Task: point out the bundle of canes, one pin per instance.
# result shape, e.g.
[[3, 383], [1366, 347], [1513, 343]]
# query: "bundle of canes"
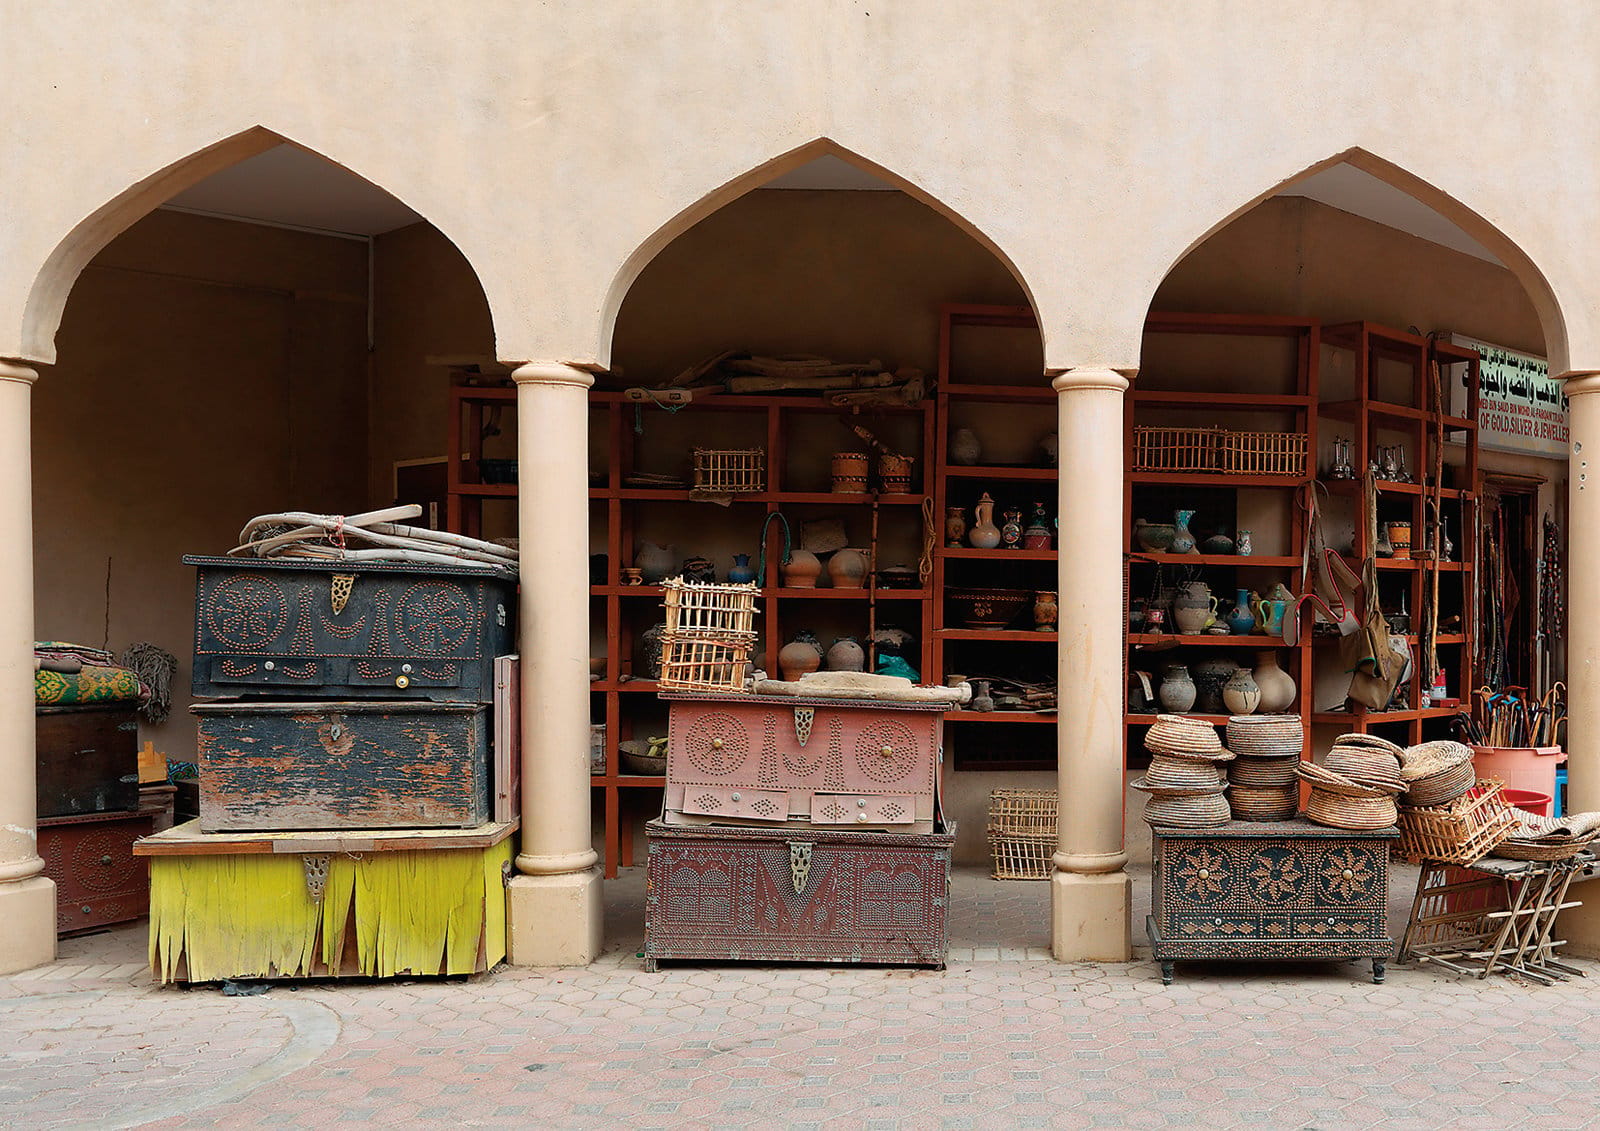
[[301, 534]]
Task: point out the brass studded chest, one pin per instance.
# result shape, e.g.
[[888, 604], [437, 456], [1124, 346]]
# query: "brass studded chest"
[[779, 760], [1274, 890]]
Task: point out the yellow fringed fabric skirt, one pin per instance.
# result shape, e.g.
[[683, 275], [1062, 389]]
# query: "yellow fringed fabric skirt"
[[441, 911]]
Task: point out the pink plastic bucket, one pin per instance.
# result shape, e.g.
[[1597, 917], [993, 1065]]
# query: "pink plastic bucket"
[[1520, 767]]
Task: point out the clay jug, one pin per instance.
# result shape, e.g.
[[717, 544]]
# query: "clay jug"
[[845, 656], [655, 561], [847, 569], [965, 447], [1241, 621], [1209, 678], [955, 526], [1037, 535], [801, 570], [1240, 694], [1277, 686], [1194, 608], [984, 535], [1176, 692], [801, 656], [1182, 536]]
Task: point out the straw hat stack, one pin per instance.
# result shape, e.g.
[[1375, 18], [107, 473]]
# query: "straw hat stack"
[[1436, 773], [1356, 785], [1185, 780], [1262, 784]]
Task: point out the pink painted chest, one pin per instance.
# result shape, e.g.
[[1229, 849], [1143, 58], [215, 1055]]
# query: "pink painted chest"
[[774, 760]]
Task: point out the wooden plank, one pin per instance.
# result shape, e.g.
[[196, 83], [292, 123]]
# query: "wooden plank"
[[187, 840]]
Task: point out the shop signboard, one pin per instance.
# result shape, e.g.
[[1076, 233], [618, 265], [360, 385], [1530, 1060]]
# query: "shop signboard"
[[1521, 408]]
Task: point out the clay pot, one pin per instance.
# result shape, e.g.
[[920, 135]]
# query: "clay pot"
[[1045, 610], [1277, 686], [955, 526], [1050, 449], [965, 447], [1182, 537], [849, 473], [1176, 693], [656, 562], [1154, 537], [847, 569], [1209, 678], [801, 656], [845, 656], [894, 472], [1194, 608], [1240, 694], [650, 650], [801, 570]]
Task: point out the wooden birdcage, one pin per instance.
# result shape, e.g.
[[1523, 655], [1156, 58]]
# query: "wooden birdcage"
[[1264, 453], [729, 471], [1022, 833], [1176, 449], [708, 637]]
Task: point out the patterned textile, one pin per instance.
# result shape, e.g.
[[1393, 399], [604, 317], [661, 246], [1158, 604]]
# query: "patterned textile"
[[94, 684]]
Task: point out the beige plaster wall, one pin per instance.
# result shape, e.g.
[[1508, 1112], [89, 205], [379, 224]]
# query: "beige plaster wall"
[[1092, 145], [208, 371]]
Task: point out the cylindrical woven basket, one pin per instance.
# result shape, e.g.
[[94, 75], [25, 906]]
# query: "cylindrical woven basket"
[[1373, 768], [1370, 742], [1442, 787], [1355, 813], [1271, 804], [1183, 773], [1184, 808], [1265, 734], [1181, 737], [1264, 773]]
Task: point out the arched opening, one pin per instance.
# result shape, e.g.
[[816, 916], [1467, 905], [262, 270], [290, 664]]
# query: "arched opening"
[[255, 341], [1320, 311], [829, 256]]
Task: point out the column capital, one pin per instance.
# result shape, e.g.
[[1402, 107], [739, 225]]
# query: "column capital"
[[1093, 377], [17, 371], [551, 373], [1576, 382]]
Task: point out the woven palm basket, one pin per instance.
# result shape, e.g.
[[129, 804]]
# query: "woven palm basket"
[[1340, 803], [1184, 808], [1370, 742], [1373, 768], [1441, 786], [1183, 737], [1266, 735], [1264, 773], [1249, 803], [1166, 772]]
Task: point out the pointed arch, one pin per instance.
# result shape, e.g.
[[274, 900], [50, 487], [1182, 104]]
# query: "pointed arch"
[[753, 179], [1539, 290], [53, 283]]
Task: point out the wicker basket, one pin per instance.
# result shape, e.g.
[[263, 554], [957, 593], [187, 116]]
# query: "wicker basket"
[[1340, 803], [1264, 453], [710, 631], [1465, 830], [1264, 773], [1169, 772], [1550, 848], [1022, 833], [1176, 449], [729, 471], [1441, 787], [1276, 803]]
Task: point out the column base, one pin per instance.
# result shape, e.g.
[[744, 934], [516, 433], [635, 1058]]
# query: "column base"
[[1089, 917], [27, 924], [554, 920]]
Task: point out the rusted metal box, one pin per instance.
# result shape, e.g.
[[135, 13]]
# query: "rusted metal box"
[[87, 759], [824, 763], [342, 765], [797, 895], [1270, 890], [98, 879], [339, 630]]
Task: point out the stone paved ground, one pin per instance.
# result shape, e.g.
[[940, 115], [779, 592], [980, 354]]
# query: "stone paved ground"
[[997, 1040]]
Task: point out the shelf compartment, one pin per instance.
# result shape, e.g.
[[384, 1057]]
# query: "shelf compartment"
[[1373, 718], [978, 472], [1139, 719], [1265, 403], [1217, 479], [970, 553], [1279, 561], [1001, 717], [1139, 639], [999, 393], [1001, 634]]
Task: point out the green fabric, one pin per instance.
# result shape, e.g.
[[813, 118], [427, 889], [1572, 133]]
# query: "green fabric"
[[91, 685]]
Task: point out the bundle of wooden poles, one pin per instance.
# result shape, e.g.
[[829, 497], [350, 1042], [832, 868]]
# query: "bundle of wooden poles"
[[376, 536]]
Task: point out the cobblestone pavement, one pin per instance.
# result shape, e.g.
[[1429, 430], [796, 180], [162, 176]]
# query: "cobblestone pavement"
[[997, 1040]]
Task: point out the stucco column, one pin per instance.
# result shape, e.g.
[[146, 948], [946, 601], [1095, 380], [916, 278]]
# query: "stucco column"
[[555, 906], [1090, 891], [27, 898]]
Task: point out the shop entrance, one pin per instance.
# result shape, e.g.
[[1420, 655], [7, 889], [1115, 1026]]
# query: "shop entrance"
[[1514, 654]]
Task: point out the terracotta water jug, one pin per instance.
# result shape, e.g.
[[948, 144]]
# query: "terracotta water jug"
[[1240, 694], [801, 570], [1277, 686], [845, 656], [1177, 691], [801, 656], [984, 535], [1194, 608], [847, 569]]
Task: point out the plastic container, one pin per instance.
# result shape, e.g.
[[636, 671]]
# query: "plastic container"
[[1520, 767], [1529, 800]]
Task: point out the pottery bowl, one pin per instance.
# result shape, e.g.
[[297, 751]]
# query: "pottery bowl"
[[635, 757], [988, 608], [1155, 537]]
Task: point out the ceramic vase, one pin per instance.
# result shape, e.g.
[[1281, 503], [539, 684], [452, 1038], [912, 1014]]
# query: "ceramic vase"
[[965, 447], [801, 570], [1045, 610], [1194, 609], [801, 656], [981, 699], [1177, 691], [1277, 686], [1209, 678], [655, 562], [955, 526], [741, 573], [1218, 543], [1240, 620], [1182, 539], [1011, 532], [1240, 694], [849, 471], [1037, 534], [984, 534], [845, 656], [1242, 545], [847, 569], [1154, 537], [1050, 449], [1269, 616]]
